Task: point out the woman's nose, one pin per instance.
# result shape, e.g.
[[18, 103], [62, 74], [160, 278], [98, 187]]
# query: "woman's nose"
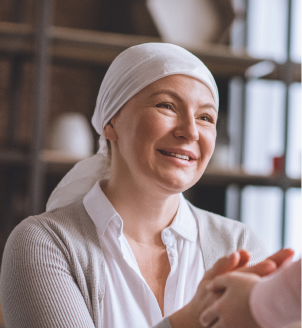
[[187, 129]]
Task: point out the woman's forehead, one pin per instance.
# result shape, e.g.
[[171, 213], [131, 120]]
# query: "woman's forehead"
[[174, 84]]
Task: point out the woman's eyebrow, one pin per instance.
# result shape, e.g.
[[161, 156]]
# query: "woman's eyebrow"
[[168, 92], [210, 106], [175, 95]]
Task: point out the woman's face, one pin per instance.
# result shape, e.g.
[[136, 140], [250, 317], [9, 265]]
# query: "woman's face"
[[164, 136]]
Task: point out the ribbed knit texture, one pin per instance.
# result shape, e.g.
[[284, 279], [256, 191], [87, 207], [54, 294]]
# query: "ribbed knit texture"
[[53, 269]]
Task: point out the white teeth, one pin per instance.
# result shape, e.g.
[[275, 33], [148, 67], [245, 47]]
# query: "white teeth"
[[187, 158]]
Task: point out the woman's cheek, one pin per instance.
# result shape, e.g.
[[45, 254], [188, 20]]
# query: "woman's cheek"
[[153, 127], [207, 142]]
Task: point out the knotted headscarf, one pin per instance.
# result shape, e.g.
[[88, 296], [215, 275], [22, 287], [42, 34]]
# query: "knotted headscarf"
[[130, 72]]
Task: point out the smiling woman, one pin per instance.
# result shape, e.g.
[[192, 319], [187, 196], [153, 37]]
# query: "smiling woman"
[[119, 246]]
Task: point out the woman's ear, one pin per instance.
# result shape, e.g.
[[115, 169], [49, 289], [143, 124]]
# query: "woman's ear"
[[109, 132]]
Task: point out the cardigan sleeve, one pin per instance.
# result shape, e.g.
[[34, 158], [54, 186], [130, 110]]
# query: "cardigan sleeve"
[[252, 243], [275, 300], [37, 288], [163, 324]]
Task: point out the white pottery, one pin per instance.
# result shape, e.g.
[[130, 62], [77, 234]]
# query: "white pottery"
[[71, 134]]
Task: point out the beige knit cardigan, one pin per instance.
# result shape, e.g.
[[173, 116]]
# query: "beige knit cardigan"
[[53, 269]]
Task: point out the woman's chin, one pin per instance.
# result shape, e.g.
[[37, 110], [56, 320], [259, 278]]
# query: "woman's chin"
[[176, 185]]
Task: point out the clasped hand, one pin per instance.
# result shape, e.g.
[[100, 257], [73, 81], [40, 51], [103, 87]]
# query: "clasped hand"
[[211, 294]]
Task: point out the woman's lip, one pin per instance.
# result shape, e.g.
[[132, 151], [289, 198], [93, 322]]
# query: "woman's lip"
[[180, 151]]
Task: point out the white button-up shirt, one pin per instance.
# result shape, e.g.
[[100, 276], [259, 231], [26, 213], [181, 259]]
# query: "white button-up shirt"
[[128, 300]]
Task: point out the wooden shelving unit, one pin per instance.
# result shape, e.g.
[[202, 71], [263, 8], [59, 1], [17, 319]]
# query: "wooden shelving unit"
[[86, 47]]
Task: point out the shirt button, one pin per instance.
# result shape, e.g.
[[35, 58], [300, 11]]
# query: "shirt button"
[[170, 296], [173, 252], [169, 242], [167, 233]]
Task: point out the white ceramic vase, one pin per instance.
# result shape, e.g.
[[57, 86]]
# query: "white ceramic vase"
[[71, 135]]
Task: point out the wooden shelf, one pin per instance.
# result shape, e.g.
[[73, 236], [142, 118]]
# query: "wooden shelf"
[[58, 164], [87, 47], [279, 72], [237, 176], [12, 158]]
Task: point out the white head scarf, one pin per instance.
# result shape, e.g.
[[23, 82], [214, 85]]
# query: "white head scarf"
[[130, 72]]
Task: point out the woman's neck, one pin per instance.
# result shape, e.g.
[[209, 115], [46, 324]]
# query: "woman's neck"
[[145, 213]]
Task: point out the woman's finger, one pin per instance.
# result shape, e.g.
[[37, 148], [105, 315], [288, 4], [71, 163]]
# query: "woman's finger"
[[209, 317], [218, 284], [217, 324], [282, 256], [261, 269], [244, 258], [223, 265]]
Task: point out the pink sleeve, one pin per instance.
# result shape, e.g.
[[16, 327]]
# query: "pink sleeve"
[[276, 300]]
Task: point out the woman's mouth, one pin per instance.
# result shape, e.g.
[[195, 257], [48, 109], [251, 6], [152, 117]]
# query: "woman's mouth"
[[167, 153]]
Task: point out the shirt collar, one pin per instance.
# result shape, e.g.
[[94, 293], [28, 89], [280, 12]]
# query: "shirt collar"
[[184, 222], [100, 209], [102, 212]]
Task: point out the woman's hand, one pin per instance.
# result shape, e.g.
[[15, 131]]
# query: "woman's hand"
[[188, 316], [232, 309]]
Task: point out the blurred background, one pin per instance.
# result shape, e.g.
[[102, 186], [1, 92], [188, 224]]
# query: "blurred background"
[[54, 54]]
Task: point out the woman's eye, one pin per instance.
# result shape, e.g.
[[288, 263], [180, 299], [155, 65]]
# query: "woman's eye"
[[165, 105], [206, 118]]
